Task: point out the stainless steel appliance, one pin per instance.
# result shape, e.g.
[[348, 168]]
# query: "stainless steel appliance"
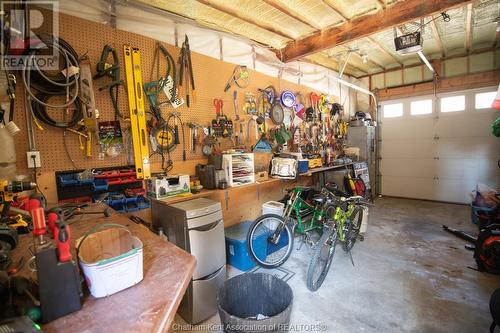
[[197, 227], [363, 137]]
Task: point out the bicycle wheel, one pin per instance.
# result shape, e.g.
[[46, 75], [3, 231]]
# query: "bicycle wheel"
[[353, 224], [322, 259], [269, 241]]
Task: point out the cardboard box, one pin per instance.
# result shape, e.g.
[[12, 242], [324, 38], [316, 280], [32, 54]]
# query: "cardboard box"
[[164, 187], [261, 176]]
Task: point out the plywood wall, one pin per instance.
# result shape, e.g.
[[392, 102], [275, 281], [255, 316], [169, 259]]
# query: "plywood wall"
[[88, 38]]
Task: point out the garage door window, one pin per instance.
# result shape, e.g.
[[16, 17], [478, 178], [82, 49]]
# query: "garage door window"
[[423, 106], [453, 104], [393, 110], [485, 100]]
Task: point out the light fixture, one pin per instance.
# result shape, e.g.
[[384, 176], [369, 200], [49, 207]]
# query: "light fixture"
[[426, 62], [365, 58]]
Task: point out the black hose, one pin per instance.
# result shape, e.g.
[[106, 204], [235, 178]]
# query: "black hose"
[[40, 112]]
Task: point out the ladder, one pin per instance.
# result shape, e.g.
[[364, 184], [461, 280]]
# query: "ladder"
[[133, 74]]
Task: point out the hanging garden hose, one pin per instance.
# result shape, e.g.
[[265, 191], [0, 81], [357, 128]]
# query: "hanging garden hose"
[[49, 85]]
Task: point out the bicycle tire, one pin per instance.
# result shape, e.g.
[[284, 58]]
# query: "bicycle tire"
[[353, 227], [328, 242], [260, 248]]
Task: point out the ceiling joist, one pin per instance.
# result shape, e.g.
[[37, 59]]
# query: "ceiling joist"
[[397, 14], [437, 38], [245, 18], [468, 28], [289, 13], [384, 51], [335, 10]]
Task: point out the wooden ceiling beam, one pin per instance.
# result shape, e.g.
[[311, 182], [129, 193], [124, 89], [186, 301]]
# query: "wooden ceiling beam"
[[468, 28], [245, 18], [437, 37], [397, 14], [288, 12], [335, 10], [384, 51]]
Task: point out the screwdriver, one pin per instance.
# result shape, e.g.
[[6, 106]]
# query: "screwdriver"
[[38, 217], [62, 237]]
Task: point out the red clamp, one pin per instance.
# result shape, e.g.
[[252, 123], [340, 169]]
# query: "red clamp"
[[38, 218], [52, 221], [62, 235]]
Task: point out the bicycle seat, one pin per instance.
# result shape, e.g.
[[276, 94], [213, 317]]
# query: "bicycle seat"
[[319, 198]]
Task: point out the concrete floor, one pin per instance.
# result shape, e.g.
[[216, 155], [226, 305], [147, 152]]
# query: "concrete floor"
[[409, 276]]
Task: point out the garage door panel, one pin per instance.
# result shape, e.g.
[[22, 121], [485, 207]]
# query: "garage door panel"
[[452, 190], [471, 147], [488, 172], [407, 129], [466, 124], [424, 148], [450, 168], [404, 167], [408, 187]]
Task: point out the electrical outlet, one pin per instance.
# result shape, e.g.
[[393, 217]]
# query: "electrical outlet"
[[34, 160]]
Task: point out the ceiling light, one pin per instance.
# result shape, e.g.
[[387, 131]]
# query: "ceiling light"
[[365, 58], [426, 62]]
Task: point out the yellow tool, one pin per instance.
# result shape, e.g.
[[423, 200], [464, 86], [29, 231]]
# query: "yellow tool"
[[89, 110], [132, 58]]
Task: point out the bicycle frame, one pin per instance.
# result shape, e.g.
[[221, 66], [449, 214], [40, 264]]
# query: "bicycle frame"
[[298, 205], [340, 217]]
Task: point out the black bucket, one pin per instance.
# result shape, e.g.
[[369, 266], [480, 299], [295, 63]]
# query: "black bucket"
[[244, 297]]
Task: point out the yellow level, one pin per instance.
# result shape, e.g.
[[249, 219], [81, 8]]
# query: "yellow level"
[[132, 57]]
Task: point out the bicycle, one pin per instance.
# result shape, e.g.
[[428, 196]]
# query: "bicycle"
[[344, 217], [270, 237]]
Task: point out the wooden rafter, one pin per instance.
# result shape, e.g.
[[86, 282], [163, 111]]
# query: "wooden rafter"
[[288, 12], [382, 50], [245, 18], [382, 3], [437, 37], [397, 14], [468, 28], [335, 10]]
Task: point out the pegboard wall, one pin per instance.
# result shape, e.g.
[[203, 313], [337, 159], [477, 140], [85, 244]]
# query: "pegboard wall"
[[89, 38]]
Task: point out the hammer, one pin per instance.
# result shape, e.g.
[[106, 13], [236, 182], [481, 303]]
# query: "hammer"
[[106, 212]]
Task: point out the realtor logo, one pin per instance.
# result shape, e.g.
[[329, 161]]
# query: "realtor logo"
[[26, 26]]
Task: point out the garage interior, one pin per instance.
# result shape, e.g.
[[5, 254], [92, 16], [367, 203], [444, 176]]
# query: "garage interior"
[[250, 166]]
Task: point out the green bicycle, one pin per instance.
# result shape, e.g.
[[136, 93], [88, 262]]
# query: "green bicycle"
[[270, 237], [343, 221]]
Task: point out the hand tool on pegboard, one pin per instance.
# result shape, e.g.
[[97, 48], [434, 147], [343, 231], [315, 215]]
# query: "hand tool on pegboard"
[[112, 70], [90, 113], [167, 82], [193, 135], [235, 104], [186, 76], [133, 73]]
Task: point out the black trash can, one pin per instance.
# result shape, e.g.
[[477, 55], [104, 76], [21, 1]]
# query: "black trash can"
[[255, 303]]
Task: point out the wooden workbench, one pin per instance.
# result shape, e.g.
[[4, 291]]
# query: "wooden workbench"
[[149, 306]]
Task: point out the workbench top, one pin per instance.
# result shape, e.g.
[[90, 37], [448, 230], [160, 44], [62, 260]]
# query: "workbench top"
[[149, 306]]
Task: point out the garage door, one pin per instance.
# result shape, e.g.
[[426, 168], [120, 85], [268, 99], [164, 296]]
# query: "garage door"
[[439, 149]]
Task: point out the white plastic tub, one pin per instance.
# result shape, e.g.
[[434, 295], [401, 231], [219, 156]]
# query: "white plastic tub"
[[273, 207], [111, 260]]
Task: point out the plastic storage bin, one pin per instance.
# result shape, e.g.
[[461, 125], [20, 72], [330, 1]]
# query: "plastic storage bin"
[[111, 259], [273, 207], [236, 246]]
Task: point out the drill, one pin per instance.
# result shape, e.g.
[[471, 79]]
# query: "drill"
[[9, 191]]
